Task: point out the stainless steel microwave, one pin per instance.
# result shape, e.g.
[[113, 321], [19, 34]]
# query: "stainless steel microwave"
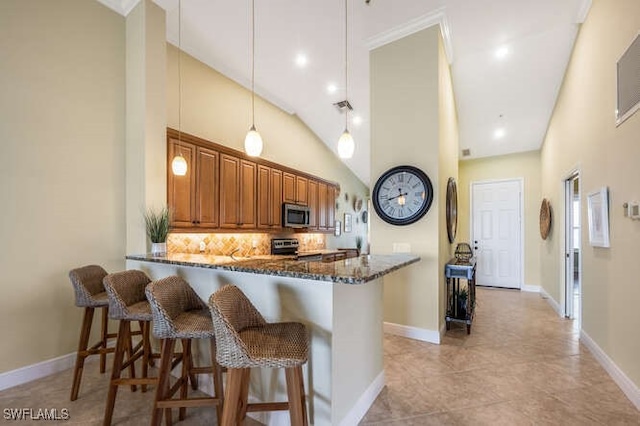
[[295, 216]]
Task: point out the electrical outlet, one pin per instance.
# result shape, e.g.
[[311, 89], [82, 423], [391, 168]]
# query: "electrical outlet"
[[254, 243], [203, 246]]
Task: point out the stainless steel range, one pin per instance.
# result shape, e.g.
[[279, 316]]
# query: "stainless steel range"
[[284, 246]]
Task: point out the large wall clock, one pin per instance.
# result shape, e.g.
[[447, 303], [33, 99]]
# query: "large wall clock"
[[402, 195]]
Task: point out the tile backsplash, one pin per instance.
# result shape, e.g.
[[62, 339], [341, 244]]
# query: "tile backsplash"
[[245, 244]]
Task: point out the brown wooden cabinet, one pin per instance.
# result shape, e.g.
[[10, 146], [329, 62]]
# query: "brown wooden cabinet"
[[237, 192], [313, 204], [331, 207], [225, 190], [269, 197], [295, 189], [322, 206], [193, 198]]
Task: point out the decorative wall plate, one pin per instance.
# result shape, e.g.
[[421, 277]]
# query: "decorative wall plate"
[[545, 218]]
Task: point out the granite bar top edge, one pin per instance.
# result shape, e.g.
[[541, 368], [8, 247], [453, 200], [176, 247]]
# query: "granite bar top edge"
[[358, 270]]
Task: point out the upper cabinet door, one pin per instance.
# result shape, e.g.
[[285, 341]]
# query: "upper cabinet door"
[[276, 198], [322, 206], [313, 204], [302, 190], [331, 207], [229, 191], [181, 189], [207, 189], [289, 190], [264, 197], [247, 208]]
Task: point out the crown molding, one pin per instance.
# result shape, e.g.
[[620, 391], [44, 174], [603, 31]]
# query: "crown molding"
[[583, 11], [123, 7], [437, 17]]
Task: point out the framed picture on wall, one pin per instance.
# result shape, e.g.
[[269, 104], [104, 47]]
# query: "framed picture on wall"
[[347, 222], [338, 228], [598, 215]]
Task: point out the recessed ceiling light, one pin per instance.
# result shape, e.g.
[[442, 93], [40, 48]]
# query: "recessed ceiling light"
[[301, 60], [502, 52], [499, 133], [332, 88], [356, 120]]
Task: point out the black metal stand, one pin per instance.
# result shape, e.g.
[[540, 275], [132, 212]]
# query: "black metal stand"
[[460, 308]]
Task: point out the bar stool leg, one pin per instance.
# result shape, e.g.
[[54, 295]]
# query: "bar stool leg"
[[104, 336], [146, 350], [217, 380], [128, 343], [123, 341], [85, 331], [232, 401], [184, 378], [295, 393], [164, 380], [244, 395]]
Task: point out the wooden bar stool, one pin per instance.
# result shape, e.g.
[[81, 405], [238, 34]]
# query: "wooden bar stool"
[[128, 303], [178, 313], [245, 340], [90, 295]]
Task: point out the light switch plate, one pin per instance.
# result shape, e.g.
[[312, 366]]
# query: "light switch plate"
[[401, 247]]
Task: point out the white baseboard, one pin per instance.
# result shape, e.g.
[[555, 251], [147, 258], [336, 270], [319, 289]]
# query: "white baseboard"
[[431, 336], [626, 385], [36, 371], [550, 300], [530, 288], [365, 402]]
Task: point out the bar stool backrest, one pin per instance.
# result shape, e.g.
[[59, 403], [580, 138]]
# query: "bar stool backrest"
[[125, 288], [232, 312], [169, 297], [87, 282]]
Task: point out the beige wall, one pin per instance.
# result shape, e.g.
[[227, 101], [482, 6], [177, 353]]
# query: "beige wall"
[[146, 147], [405, 130], [582, 133], [448, 163], [218, 109], [526, 166], [62, 113]]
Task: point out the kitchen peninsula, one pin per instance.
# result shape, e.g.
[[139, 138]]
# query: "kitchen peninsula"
[[340, 302]]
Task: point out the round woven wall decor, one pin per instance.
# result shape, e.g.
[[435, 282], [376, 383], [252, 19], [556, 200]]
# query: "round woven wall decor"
[[545, 218]]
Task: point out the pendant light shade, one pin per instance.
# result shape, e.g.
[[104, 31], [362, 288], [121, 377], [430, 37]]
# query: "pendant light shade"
[[179, 165], [346, 145], [253, 140]]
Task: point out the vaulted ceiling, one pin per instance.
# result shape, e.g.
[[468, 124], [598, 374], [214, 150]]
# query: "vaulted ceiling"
[[508, 59]]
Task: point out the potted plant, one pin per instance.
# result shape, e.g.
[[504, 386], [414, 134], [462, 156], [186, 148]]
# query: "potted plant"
[[157, 227], [462, 298]]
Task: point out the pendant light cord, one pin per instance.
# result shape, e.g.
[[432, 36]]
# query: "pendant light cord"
[[253, 62], [179, 76], [346, 66]]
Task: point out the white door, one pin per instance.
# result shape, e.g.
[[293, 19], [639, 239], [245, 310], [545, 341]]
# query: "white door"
[[497, 232]]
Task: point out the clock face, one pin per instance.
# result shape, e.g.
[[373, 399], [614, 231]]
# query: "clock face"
[[402, 195]]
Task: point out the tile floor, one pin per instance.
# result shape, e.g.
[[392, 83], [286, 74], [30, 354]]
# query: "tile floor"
[[521, 365]]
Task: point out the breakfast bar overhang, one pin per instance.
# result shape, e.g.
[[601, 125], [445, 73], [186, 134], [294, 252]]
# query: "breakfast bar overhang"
[[341, 304]]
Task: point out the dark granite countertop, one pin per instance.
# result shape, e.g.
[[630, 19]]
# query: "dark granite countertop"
[[357, 270]]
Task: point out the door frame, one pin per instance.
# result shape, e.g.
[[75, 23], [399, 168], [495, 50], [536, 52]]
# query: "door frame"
[[520, 181], [566, 239]]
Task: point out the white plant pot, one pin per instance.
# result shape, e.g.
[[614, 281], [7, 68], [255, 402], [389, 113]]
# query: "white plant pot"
[[158, 249]]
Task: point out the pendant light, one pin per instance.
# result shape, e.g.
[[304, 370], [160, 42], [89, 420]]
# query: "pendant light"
[[179, 164], [253, 140], [346, 145]]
